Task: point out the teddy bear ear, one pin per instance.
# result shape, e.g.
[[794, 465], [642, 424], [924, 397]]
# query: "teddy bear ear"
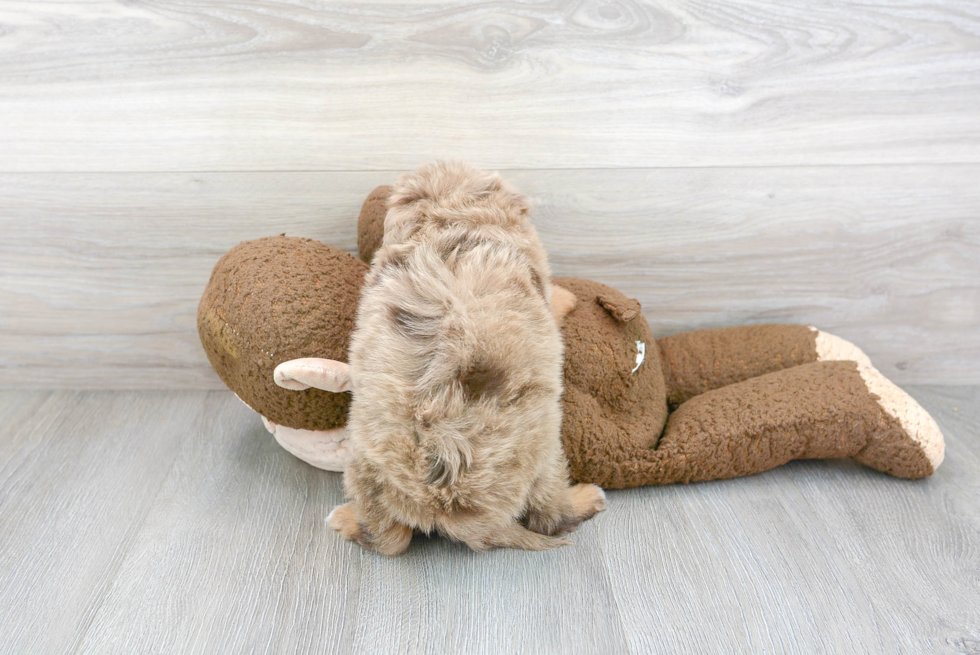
[[371, 223], [623, 309]]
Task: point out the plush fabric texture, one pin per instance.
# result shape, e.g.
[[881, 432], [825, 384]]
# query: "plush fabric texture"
[[606, 408], [274, 300], [697, 406], [702, 360], [371, 222], [813, 411], [748, 399]]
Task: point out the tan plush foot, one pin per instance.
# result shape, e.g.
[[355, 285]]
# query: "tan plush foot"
[[831, 348], [563, 301], [916, 421]]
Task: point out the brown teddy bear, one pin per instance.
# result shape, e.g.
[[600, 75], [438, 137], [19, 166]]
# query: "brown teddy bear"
[[277, 315]]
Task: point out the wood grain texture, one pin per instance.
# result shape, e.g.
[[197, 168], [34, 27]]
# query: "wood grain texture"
[[810, 557], [77, 475], [725, 162], [100, 274], [119, 264], [203, 535], [238, 542], [302, 85], [235, 555]]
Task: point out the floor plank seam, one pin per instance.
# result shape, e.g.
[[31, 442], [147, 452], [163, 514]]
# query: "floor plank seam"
[[126, 546], [609, 580]]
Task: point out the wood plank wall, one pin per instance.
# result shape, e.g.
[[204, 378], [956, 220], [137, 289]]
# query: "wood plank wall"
[[724, 162]]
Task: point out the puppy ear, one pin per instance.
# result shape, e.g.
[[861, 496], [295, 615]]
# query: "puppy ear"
[[325, 374], [623, 309]]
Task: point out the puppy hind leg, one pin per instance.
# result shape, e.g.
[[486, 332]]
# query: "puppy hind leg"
[[555, 508], [587, 500], [386, 537], [515, 535]]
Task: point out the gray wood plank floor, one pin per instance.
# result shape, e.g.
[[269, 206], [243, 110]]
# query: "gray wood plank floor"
[[170, 522]]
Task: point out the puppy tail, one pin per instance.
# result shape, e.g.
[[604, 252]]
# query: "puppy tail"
[[516, 535]]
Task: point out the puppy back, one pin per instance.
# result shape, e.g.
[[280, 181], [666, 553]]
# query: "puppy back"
[[459, 358]]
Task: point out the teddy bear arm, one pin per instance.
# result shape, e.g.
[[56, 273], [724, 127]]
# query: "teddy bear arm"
[[703, 360], [306, 372], [813, 411], [324, 449]]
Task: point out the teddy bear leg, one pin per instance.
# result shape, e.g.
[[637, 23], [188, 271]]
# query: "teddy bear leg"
[[812, 411], [702, 360], [898, 456]]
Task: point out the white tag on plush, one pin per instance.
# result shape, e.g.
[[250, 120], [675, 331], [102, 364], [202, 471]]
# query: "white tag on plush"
[[641, 353]]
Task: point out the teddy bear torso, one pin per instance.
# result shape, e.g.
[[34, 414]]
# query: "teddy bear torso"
[[615, 395]]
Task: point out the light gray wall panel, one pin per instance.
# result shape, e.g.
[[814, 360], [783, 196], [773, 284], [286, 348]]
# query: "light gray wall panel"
[[294, 85], [100, 274]]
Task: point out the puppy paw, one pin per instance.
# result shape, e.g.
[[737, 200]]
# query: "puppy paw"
[[587, 500], [516, 535], [394, 541], [584, 502], [391, 540], [550, 524], [344, 520]]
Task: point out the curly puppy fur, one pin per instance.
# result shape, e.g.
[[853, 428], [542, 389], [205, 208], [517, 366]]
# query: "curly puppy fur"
[[456, 369]]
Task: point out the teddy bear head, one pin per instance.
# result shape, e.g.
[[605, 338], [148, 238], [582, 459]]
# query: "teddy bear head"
[[275, 300]]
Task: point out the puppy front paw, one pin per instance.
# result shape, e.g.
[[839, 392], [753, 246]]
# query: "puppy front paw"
[[549, 523]]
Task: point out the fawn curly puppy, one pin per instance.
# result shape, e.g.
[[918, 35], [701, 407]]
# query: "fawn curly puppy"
[[456, 370]]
